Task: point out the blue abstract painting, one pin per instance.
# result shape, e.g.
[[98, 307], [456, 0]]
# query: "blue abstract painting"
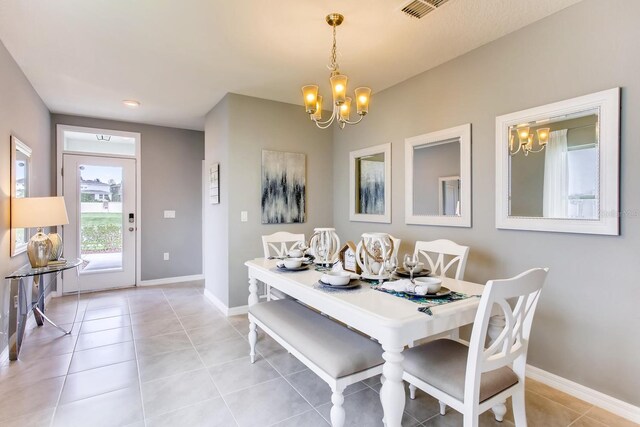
[[283, 187], [371, 187]]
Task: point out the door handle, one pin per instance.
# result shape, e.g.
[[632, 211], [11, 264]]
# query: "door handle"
[[131, 228]]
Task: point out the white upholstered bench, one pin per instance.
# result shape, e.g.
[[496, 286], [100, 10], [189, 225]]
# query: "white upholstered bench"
[[335, 353]]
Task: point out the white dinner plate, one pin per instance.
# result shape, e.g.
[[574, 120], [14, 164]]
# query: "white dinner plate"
[[352, 284], [302, 267], [443, 292]]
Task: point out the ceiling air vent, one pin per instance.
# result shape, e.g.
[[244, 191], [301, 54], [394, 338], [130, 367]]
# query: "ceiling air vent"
[[420, 8]]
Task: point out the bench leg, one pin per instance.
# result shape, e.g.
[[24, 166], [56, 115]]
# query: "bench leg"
[[337, 410], [253, 338]]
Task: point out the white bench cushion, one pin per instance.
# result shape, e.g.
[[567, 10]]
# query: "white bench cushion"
[[334, 348], [443, 363]]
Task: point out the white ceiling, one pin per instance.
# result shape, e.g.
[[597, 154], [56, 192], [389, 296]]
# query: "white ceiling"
[[179, 58]]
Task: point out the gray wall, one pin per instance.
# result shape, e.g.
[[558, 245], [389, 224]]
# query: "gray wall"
[[429, 164], [586, 328], [23, 114], [216, 217], [171, 176], [255, 124]]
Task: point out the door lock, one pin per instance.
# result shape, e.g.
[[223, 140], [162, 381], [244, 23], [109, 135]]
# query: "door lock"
[[131, 228], [131, 218]]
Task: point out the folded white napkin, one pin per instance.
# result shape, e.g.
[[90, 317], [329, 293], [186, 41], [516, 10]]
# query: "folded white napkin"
[[404, 285]]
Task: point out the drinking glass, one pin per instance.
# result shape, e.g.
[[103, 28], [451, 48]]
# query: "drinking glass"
[[390, 265], [304, 247], [410, 263]]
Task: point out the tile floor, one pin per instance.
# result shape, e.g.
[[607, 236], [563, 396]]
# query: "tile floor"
[[164, 356]]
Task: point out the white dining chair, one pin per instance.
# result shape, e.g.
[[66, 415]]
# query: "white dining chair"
[[278, 245], [441, 250], [472, 379]]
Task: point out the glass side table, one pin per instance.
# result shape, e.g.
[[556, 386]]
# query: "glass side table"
[[22, 300]]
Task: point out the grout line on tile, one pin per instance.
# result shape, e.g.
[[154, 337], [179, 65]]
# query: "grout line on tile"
[[135, 353], [558, 403], [305, 399], [203, 364]]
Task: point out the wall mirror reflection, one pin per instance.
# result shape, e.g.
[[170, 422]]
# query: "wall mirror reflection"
[[370, 184], [438, 178], [558, 177], [20, 184], [558, 167]]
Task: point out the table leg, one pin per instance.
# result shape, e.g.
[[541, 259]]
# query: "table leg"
[[38, 293], [253, 333], [392, 394], [17, 317]]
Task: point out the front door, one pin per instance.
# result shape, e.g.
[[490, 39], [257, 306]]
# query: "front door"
[[100, 194]]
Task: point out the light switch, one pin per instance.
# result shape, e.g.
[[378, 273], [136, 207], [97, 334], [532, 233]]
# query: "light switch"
[[169, 214], [166, 256], [244, 216]]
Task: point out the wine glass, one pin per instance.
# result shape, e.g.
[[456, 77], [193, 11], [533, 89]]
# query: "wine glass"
[[390, 265], [321, 252], [410, 263], [304, 247]]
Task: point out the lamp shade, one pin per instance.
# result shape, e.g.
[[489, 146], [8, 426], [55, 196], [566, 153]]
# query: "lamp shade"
[[30, 212]]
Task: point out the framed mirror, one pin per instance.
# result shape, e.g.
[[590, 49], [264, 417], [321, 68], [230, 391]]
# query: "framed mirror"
[[370, 184], [20, 184], [438, 178], [557, 166]]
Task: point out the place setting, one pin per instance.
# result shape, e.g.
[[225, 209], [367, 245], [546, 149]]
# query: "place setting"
[[295, 260], [336, 281], [414, 283]]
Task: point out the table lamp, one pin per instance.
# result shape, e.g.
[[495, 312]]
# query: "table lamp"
[[40, 212]]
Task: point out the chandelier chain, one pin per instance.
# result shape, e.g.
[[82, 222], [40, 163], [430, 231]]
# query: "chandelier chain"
[[334, 53]]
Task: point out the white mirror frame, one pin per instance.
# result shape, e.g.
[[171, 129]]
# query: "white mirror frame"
[[463, 133], [353, 156], [608, 104], [17, 145]]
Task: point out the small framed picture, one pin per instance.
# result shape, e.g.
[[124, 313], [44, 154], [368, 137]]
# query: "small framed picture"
[[214, 183], [347, 256]]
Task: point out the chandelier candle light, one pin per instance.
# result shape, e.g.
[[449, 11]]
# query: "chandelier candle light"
[[341, 102], [525, 140]]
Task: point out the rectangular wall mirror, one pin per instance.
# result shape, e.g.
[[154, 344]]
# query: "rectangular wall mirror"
[[20, 183], [438, 178], [558, 166], [370, 184]]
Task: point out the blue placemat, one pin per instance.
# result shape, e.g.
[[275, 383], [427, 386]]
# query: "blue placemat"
[[427, 303]]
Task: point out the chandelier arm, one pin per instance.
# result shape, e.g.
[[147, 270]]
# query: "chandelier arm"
[[353, 123], [537, 151], [513, 153], [326, 123]]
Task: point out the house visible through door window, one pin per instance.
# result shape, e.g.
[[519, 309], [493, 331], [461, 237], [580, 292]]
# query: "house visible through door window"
[[101, 216]]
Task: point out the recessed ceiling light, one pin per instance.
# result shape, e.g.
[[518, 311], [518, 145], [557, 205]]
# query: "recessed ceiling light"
[[131, 103]]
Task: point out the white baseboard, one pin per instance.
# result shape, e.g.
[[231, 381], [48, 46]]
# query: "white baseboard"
[[170, 280], [233, 311], [604, 401]]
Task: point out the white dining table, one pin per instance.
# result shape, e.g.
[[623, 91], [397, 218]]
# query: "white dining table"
[[394, 322]]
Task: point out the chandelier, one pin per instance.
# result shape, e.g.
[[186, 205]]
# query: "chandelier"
[[341, 103], [526, 139]]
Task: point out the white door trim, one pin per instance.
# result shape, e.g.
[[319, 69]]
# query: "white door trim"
[[60, 129]]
